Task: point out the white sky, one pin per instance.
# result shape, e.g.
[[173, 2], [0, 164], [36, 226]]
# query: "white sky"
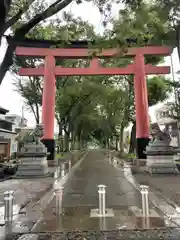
[[11, 100]]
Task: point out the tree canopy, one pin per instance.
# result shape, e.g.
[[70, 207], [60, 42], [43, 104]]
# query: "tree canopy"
[[19, 17], [140, 22]]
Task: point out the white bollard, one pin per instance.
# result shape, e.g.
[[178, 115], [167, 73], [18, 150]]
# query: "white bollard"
[[115, 162], [58, 192], [62, 169], [57, 173], [69, 165], [102, 199], [112, 157], [145, 200], [109, 157], [8, 205]]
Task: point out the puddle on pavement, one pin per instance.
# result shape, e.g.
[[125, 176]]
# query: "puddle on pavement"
[[78, 218]]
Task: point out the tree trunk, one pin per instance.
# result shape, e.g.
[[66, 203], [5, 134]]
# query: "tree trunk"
[[21, 32], [117, 143], [132, 146], [60, 137], [111, 140], [2, 20], [4, 8], [121, 140], [106, 142], [7, 61], [82, 141], [79, 141], [73, 141], [66, 142], [37, 114]]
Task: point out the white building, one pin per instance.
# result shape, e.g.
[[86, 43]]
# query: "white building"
[[18, 121], [8, 143], [162, 113]]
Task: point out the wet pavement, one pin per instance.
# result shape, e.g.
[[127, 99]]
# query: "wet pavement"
[[25, 191], [167, 185], [80, 196]]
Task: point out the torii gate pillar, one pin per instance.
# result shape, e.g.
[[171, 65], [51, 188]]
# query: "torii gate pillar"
[[141, 106], [48, 105]]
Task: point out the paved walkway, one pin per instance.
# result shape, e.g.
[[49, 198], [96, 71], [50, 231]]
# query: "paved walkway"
[[80, 196], [167, 185], [82, 189], [25, 191]]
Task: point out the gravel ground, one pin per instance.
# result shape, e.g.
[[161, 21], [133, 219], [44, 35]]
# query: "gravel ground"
[[168, 185], [167, 234]]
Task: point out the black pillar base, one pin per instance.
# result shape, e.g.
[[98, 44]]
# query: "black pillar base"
[[141, 144], [50, 145]]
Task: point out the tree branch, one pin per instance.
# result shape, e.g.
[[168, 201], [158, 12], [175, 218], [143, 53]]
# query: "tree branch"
[[7, 62], [34, 112], [18, 15], [50, 11], [24, 29], [4, 8]]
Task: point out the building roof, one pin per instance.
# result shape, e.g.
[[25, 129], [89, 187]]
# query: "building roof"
[[3, 110], [4, 120], [14, 116], [7, 131]]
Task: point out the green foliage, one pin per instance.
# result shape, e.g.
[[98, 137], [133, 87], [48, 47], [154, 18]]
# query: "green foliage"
[[142, 26], [59, 155], [159, 89], [31, 89], [31, 92], [174, 106], [150, 22], [23, 16], [127, 156]]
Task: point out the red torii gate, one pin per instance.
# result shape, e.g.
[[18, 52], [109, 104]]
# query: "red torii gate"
[[138, 69]]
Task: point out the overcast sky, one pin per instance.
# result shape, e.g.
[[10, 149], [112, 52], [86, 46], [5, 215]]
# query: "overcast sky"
[[11, 100]]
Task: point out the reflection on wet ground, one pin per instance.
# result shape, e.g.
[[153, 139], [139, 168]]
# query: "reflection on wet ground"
[[169, 211], [80, 197], [78, 218]]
